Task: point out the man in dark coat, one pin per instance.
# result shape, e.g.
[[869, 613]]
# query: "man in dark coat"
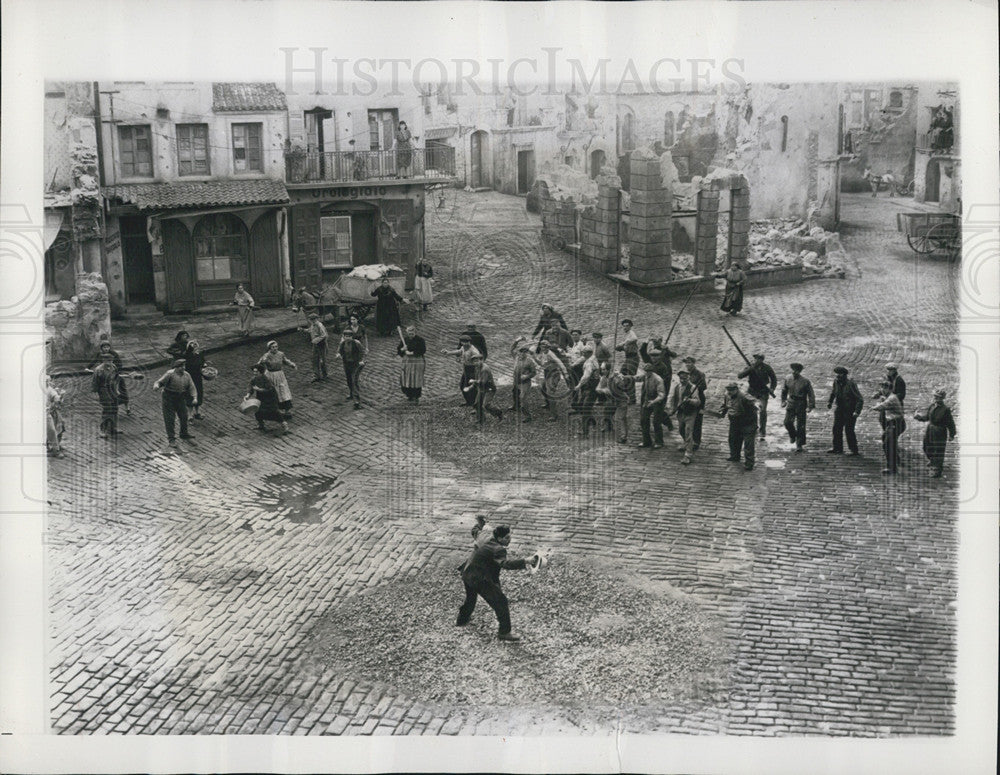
[[849, 402], [654, 351], [896, 382], [481, 576], [940, 430], [742, 412], [352, 353], [762, 381]]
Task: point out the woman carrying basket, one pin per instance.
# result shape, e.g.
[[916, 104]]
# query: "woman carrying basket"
[[263, 390], [274, 362]]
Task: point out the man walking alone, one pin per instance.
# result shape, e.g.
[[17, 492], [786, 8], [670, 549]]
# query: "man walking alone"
[[848, 402], [797, 398]]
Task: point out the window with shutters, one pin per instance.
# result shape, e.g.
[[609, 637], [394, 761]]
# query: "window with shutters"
[[135, 144], [335, 239], [248, 151], [192, 149], [220, 249]]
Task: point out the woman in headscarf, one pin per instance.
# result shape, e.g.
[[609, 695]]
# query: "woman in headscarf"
[[412, 350], [386, 308], [263, 390], [194, 362], [548, 318], [105, 384], [404, 149], [179, 347], [732, 302], [244, 310], [274, 362]]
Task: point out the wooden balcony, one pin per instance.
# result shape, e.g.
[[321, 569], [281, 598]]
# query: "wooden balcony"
[[437, 163]]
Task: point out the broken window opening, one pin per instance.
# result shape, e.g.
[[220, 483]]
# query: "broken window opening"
[[784, 132]]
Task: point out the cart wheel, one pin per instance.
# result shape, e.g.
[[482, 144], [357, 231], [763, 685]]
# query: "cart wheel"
[[947, 238], [920, 243]]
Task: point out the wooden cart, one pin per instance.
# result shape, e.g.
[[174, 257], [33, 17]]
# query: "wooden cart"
[[930, 232], [354, 294]]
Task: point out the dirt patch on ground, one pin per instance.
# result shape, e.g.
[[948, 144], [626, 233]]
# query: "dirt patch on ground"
[[590, 639]]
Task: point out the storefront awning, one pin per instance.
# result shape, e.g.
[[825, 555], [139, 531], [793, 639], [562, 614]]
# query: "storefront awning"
[[220, 193]]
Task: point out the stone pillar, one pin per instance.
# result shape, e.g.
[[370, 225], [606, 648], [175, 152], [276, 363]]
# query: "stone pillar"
[[706, 232], [650, 221], [75, 327], [739, 222], [599, 245]]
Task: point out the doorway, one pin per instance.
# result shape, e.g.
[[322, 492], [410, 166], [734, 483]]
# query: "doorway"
[[932, 182], [137, 257], [596, 163], [479, 160], [363, 238], [525, 171]]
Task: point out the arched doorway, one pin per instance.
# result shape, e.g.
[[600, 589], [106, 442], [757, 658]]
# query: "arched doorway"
[[597, 159], [932, 182], [479, 157]]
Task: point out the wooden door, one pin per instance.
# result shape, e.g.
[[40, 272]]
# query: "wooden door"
[[265, 263], [397, 242], [305, 261], [178, 266]]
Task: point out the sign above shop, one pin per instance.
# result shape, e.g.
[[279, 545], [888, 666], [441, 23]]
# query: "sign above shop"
[[332, 193]]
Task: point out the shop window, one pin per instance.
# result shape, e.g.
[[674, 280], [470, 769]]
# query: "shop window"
[[136, 148], [192, 149], [220, 250], [248, 151], [895, 99], [335, 238]]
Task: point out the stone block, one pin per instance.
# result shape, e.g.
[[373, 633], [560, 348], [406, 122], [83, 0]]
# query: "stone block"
[[640, 275], [648, 210], [650, 235], [653, 196], [640, 251], [76, 327]]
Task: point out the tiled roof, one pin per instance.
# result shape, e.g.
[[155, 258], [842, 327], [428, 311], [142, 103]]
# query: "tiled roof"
[[165, 196], [247, 97]]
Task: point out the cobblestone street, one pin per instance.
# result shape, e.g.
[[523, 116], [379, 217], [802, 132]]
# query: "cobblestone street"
[[186, 587]]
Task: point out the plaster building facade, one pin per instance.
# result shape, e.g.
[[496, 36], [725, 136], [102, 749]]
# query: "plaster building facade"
[[879, 129], [937, 173], [356, 194], [193, 181]]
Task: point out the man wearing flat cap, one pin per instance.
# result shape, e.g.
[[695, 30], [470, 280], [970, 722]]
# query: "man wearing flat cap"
[[685, 402], [742, 413], [317, 335], [485, 388], [177, 387], [481, 578], [655, 352], [847, 402], [762, 383], [653, 398], [797, 398], [586, 389], [524, 373], [896, 383], [697, 378], [940, 430], [630, 348]]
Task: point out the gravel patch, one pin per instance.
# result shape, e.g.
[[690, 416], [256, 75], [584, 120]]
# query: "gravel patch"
[[591, 638]]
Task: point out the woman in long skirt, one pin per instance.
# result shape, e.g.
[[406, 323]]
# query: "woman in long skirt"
[[386, 308], [412, 350], [194, 362], [263, 390], [54, 425], [404, 150], [244, 309], [735, 280], [274, 362], [423, 284]]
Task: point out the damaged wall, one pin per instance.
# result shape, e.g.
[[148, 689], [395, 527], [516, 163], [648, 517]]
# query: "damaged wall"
[[75, 327], [880, 126]]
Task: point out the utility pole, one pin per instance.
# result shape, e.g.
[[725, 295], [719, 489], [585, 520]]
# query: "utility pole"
[[111, 111]]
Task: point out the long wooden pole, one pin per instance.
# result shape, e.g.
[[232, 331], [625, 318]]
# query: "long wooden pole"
[[618, 306], [683, 307]]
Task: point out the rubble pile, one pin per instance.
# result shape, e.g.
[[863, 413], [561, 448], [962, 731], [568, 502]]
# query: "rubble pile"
[[791, 241]]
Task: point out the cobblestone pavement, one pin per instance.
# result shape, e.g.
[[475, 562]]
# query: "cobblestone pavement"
[[183, 587]]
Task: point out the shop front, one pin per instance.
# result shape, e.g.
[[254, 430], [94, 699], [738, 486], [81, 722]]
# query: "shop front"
[[200, 254], [334, 229]]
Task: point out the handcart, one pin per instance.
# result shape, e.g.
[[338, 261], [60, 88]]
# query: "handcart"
[[930, 232], [353, 291]]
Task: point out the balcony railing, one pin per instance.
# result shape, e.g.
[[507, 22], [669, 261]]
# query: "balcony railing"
[[939, 141], [351, 166]]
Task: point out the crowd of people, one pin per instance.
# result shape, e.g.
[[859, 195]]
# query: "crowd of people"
[[580, 378]]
